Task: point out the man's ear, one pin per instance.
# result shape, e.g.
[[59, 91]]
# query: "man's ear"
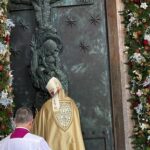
[[31, 123]]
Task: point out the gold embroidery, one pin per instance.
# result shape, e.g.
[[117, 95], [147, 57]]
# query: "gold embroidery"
[[63, 117]]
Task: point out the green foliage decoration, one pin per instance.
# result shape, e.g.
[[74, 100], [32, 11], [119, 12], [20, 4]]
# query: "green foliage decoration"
[[6, 96], [136, 16]]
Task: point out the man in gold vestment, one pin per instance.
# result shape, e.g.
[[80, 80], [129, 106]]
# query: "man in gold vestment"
[[58, 120]]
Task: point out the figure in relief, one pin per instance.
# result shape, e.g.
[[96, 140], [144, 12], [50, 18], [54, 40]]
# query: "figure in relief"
[[46, 47]]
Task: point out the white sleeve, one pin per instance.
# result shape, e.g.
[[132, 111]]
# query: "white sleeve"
[[44, 145]]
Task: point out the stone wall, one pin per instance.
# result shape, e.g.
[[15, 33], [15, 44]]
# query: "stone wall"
[[124, 79]]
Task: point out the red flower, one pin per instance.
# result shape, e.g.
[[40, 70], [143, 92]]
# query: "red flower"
[[1, 88], [137, 50], [147, 48], [130, 63], [148, 100], [1, 68], [7, 39], [137, 1], [145, 42], [3, 127], [139, 33], [10, 114], [134, 104]]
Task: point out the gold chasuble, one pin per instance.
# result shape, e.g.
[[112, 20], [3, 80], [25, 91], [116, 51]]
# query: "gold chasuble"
[[58, 121]]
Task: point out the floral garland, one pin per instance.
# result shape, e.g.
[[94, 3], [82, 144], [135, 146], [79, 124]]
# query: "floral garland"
[[6, 97], [136, 15]]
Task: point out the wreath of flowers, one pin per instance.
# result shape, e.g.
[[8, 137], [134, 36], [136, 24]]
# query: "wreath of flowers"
[[136, 15], [6, 96]]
